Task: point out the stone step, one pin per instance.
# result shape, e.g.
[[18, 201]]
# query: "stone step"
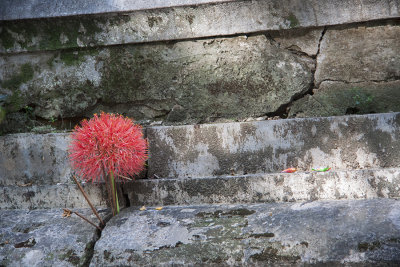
[[330, 233], [343, 143], [45, 238], [30, 26], [51, 196], [221, 163], [256, 188]]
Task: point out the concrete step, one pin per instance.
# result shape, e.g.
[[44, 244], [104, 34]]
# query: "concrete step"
[[150, 21], [45, 238], [343, 143], [277, 187], [51, 196], [218, 158], [326, 233]]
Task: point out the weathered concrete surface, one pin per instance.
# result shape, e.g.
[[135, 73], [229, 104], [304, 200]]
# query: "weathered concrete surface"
[[51, 196], [255, 188], [36, 159], [350, 233], [45, 238], [189, 81], [368, 52], [341, 98], [176, 23], [349, 142], [12, 10]]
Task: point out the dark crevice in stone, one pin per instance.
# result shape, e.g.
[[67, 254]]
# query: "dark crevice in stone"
[[313, 86], [89, 249]]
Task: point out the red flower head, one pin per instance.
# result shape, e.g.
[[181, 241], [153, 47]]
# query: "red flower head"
[[107, 141]]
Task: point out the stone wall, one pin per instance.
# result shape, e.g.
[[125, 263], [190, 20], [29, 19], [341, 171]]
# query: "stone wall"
[[206, 62]]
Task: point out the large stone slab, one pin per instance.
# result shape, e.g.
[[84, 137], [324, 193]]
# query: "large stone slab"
[[351, 233], [175, 23], [343, 98], [349, 142], [255, 188], [45, 238], [188, 81], [368, 52]]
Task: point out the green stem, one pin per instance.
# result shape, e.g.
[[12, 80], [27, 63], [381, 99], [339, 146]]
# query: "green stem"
[[114, 192]]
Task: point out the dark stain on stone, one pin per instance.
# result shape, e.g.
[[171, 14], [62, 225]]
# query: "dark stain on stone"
[[120, 222], [190, 18], [262, 235], [304, 243], [163, 224], [71, 257], [364, 246], [27, 228], [107, 255], [26, 244], [153, 21], [28, 195], [270, 254], [220, 213]]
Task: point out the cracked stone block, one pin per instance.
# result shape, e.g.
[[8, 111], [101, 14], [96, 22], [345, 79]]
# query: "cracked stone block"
[[301, 40], [148, 82], [46, 238], [342, 98], [362, 232], [367, 52]]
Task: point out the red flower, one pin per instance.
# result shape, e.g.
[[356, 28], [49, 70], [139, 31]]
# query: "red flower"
[[107, 141]]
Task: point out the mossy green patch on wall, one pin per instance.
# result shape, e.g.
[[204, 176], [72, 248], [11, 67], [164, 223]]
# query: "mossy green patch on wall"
[[25, 75], [294, 22], [337, 98], [49, 34]]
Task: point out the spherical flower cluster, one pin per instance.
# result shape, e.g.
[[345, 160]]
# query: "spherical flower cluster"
[[107, 143]]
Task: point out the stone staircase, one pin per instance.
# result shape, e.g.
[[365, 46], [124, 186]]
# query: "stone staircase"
[[205, 77], [224, 201]]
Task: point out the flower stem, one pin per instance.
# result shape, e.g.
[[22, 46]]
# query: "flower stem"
[[88, 201], [114, 193], [108, 187], [81, 216]]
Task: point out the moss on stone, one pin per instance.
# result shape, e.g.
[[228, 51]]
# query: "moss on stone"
[[6, 39], [25, 75], [294, 22]]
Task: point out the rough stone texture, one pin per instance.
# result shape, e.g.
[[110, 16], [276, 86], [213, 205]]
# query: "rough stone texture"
[[188, 81], [45, 238], [255, 188], [51, 196], [341, 98], [349, 142], [176, 23], [352, 233], [368, 52]]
